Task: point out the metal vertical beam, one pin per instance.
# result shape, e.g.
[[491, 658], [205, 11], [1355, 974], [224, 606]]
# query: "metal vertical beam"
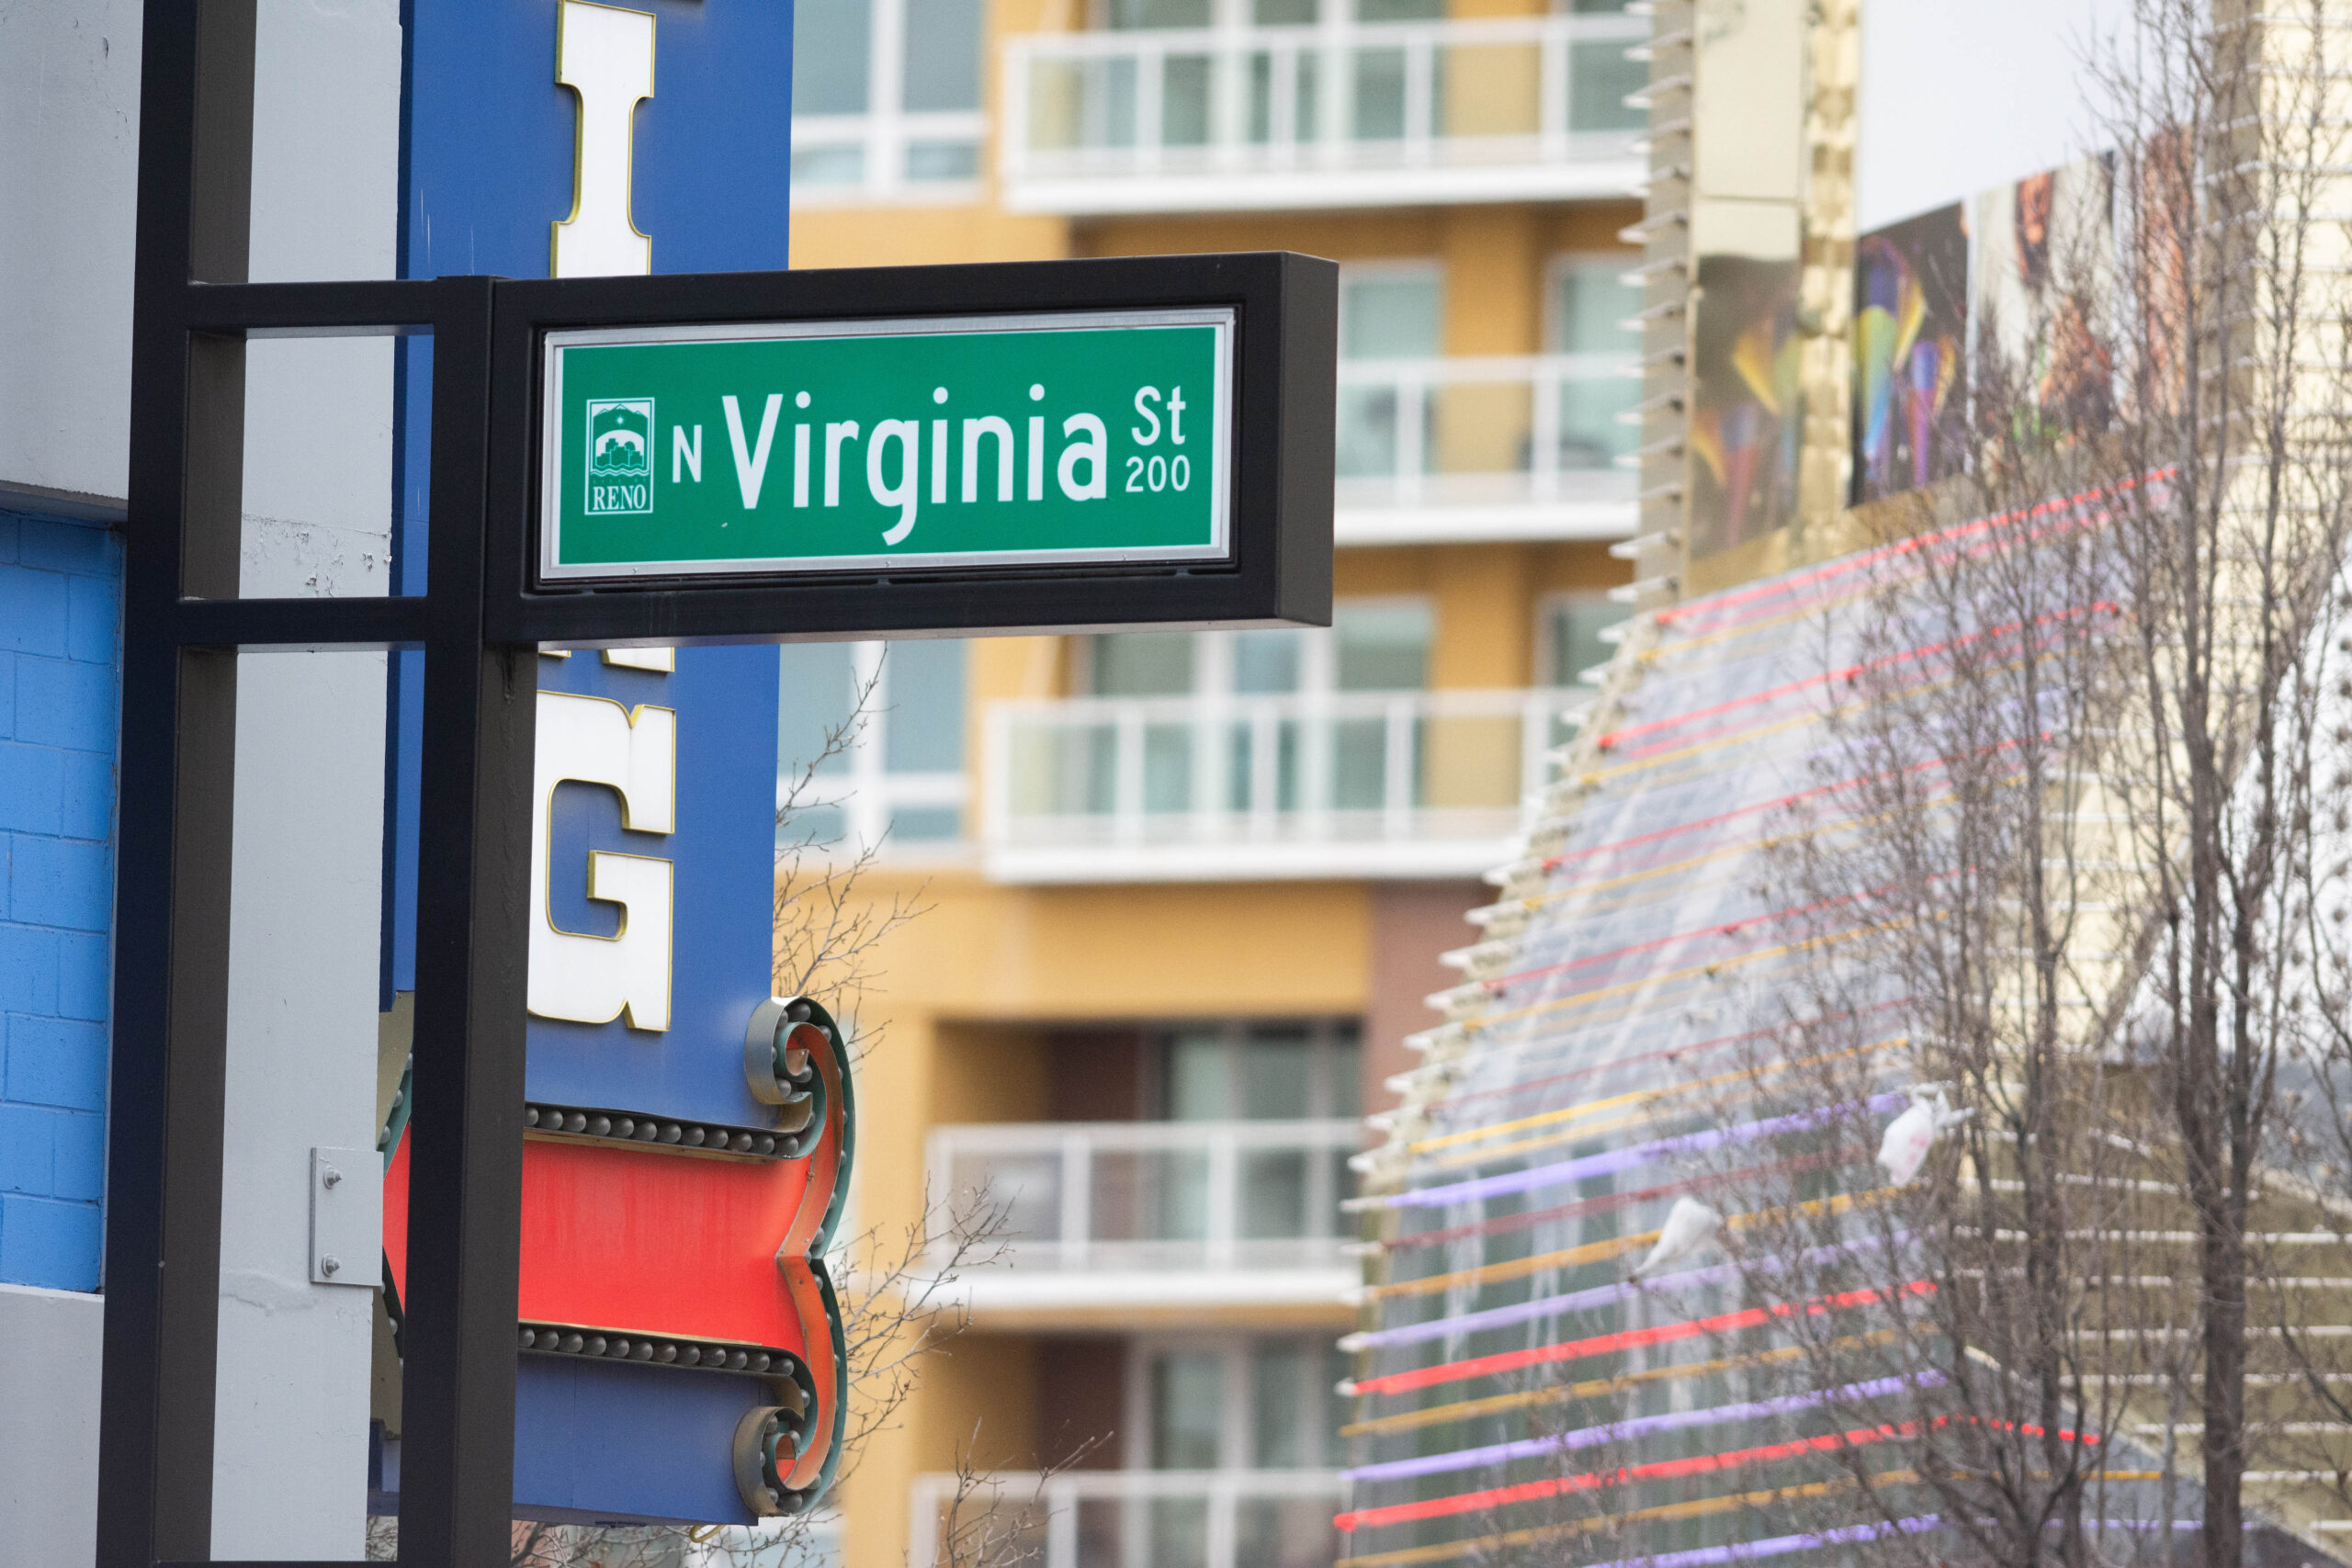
[[178, 713], [472, 944]]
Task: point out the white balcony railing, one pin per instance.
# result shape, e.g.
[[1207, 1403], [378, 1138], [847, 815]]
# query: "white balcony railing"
[[1218, 787], [1339, 114], [1156, 1196], [1134, 1518], [1484, 448]]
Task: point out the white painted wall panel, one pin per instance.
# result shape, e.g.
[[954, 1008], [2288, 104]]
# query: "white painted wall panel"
[[48, 1426], [68, 169], [291, 1430]]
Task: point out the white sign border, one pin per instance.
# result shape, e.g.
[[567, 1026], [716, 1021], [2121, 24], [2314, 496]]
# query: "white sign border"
[[1223, 318]]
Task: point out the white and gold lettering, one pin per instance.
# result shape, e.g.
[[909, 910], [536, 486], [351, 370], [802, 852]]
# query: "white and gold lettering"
[[605, 56], [661, 660], [633, 752]]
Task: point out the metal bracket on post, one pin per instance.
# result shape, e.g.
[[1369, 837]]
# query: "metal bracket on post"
[[346, 1217]]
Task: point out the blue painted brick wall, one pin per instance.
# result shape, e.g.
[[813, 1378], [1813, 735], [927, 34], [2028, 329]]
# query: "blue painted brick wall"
[[60, 595]]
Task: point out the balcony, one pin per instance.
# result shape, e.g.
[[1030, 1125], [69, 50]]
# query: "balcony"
[[1123, 1217], [1346, 114], [1136, 1518], [1473, 450], [1250, 788]]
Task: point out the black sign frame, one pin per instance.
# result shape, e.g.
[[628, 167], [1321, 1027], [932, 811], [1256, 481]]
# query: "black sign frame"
[[478, 624], [1287, 308]]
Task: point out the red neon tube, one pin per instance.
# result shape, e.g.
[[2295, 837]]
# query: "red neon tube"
[[1627, 1339]]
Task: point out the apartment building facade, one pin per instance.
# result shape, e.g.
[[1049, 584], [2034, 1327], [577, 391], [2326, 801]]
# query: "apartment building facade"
[[1182, 894]]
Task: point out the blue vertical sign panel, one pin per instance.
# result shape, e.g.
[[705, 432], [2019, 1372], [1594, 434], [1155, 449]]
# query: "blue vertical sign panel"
[[723, 853], [489, 143]]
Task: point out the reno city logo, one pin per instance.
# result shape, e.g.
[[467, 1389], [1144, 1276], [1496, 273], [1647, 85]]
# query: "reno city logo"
[[620, 456]]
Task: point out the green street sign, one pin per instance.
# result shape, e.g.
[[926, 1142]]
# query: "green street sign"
[[752, 449]]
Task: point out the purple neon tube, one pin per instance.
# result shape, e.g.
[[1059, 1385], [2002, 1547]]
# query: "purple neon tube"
[[1639, 1426], [1597, 1296], [1779, 1545], [1615, 1160]]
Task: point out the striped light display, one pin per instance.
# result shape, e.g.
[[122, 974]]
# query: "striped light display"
[[1521, 1396]]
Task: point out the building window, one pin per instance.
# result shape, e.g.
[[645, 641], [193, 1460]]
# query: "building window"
[[1589, 305], [1234, 1402], [1390, 315], [895, 773], [1372, 645], [1259, 1072], [1572, 635], [886, 100]]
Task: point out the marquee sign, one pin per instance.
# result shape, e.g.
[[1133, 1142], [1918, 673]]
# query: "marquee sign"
[[709, 1261], [1052, 438]]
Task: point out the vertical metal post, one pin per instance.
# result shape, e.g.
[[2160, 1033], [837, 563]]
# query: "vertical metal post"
[[179, 711], [458, 1457]]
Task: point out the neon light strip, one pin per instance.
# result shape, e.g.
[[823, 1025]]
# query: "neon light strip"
[[1443, 1550], [1637, 1426], [1594, 1388], [1659, 1469], [1737, 1551], [1781, 1545], [1615, 1160], [1516, 1267], [1654, 757], [1555, 863], [1593, 1480], [1616, 1246], [1830, 570], [1609, 1204], [1641, 1097], [1629, 1338], [1641, 982], [1597, 1296], [1609, 741], [1806, 609], [1664, 1053]]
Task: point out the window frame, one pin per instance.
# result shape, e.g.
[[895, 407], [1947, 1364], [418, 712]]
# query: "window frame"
[[1213, 662], [886, 130], [1323, 1031], [869, 793], [1236, 1427], [1556, 266], [1393, 267], [1547, 676]]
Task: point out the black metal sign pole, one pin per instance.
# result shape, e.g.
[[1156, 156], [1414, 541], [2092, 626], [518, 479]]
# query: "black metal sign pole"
[[478, 623], [473, 952], [177, 776]]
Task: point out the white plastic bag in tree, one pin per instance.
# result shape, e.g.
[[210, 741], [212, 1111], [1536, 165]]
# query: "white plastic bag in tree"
[[1909, 1136], [1690, 1225]]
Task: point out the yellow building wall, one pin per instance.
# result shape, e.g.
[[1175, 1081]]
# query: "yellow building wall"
[[953, 1035]]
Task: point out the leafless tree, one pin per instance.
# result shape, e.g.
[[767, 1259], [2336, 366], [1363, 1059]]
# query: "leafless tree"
[[1957, 1346], [2076, 856], [830, 926], [2237, 374], [982, 1525]]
